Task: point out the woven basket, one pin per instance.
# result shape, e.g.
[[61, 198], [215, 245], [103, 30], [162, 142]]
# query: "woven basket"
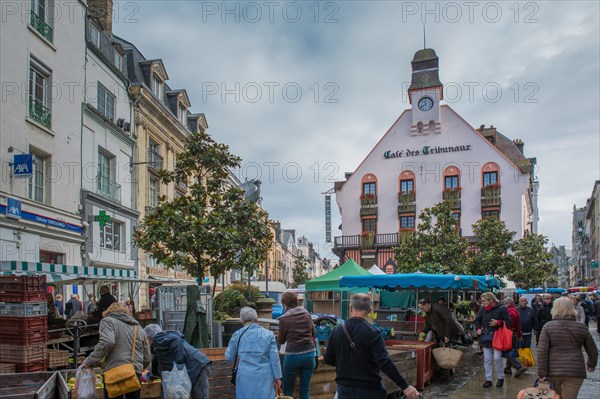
[[447, 358]]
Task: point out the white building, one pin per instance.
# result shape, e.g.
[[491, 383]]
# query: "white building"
[[430, 153], [107, 154], [42, 54]]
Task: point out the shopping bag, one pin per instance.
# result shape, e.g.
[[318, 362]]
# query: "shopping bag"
[[176, 383], [540, 390], [526, 357], [85, 382], [503, 338], [279, 394]]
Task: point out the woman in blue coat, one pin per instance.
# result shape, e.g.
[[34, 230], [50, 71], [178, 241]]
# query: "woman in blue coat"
[[258, 367]]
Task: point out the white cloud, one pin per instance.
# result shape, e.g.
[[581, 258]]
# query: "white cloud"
[[361, 62]]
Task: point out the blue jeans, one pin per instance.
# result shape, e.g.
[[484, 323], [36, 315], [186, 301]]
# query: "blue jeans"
[[346, 392], [294, 364]]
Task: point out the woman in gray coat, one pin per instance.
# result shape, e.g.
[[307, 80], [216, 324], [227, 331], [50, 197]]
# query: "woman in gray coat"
[[116, 344], [559, 350]]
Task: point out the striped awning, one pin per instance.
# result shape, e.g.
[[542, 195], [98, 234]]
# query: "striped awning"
[[60, 270]]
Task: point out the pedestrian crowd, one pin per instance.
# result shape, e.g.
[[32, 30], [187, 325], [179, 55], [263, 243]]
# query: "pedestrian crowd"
[[355, 348]]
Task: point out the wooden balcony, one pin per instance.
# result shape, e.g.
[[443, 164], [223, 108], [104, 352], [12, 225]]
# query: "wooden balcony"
[[360, 242], [490, 196], [368, 205], [406, 202], [452, 196], [405, 234]]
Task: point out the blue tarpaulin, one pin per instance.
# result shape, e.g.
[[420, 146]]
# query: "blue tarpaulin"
[[541, 290], [421, 281]]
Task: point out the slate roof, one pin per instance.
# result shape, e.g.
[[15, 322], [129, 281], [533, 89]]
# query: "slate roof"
[[425, 66], [138, 71]]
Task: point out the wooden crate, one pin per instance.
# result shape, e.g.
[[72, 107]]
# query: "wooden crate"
[[7, 368], [150, 390], [425, 364], [58, 358]]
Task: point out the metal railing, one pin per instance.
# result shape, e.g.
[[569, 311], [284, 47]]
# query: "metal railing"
[[453, 196], [406, 202], [366, 241], [41, 26], [39, 113], [155, 160], [108, 188]]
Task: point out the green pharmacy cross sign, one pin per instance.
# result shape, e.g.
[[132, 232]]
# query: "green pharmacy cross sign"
[[102, 218], [594, 264]]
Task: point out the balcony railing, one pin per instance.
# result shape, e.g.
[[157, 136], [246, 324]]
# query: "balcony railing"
[[368, 205], [155, 160], [42, 27], [453, 196], [367, 241], [405, 234], [39, 113], [108, 188], [360, 241], [490, 196], [406, 202]]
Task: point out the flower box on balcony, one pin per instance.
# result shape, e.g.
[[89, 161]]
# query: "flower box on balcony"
[[367, 239], [368, 199], [490, 195], [453, 196]]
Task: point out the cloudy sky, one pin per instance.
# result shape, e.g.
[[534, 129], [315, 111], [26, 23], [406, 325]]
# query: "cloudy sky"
[[303, 90]]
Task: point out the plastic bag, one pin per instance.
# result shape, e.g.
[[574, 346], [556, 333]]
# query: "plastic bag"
[[85, 383], [176, 383], [526, 357]]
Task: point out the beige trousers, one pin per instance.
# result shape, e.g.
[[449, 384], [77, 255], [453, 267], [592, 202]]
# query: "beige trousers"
[[567, 387]]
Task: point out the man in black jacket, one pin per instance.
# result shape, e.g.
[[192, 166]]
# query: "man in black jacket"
[[358, 352], [543, 315], [106, 299], [527, 321]]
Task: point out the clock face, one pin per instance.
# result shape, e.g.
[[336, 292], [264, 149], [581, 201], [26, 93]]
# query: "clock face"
[[425, 104]]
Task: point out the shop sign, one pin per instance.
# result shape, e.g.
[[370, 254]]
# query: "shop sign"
[[13, 209], [22, 165], [33, 217], [426, 150]]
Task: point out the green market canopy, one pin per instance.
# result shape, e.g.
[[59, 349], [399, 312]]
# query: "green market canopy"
[[330, 281]]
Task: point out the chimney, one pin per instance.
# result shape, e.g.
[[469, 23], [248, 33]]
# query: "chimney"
[[103, 10], [519, 143]]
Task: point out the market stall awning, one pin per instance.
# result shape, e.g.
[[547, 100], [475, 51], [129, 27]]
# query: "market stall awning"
[[80, 271], [330, 281], [417, 280]]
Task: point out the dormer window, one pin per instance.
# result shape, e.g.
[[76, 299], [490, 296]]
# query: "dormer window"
[[95, 36], [182, 113], [156, 86], [118, 61]]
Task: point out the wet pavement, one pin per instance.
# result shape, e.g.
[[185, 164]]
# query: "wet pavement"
[[469, 377]]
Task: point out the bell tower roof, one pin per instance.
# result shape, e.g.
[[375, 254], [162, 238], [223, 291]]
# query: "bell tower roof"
[[425, 70]]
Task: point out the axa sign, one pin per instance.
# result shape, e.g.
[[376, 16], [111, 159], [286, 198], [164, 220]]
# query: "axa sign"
[[22, 165], [13, 209]]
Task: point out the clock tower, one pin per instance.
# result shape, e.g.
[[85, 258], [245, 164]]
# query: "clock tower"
[[425, 93]]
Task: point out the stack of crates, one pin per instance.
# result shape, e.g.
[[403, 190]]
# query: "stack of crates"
[[24, 322]]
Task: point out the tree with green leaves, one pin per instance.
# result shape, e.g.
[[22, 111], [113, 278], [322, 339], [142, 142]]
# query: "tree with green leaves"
[[436, 246], [492, 248], [210, 228], [534, 266], [299, 274]]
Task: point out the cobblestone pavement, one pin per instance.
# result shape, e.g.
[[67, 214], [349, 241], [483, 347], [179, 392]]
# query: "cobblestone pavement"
[[469, 377]]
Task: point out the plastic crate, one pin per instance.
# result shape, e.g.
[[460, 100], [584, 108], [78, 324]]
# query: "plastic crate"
[[7, 368], [58, 358], [24, 337], [26, 309], [23, 296], [23, 324], [22, 283], [23, 354], [31, 367]]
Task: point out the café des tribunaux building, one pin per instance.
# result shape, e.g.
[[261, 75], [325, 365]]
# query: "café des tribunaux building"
[[430, 154]]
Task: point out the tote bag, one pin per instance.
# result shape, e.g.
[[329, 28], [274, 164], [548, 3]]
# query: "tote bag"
[[502, 339]]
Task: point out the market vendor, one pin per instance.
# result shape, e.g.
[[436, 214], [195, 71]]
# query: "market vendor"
[[106, 299], [440, 320]]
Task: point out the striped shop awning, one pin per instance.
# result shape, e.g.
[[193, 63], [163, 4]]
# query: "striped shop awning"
[[69, 271]]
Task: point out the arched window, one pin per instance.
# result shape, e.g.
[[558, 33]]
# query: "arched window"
[[369, 185], [490, 175], [451, 178], [420, 127], [406, 182], [431, 126]]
